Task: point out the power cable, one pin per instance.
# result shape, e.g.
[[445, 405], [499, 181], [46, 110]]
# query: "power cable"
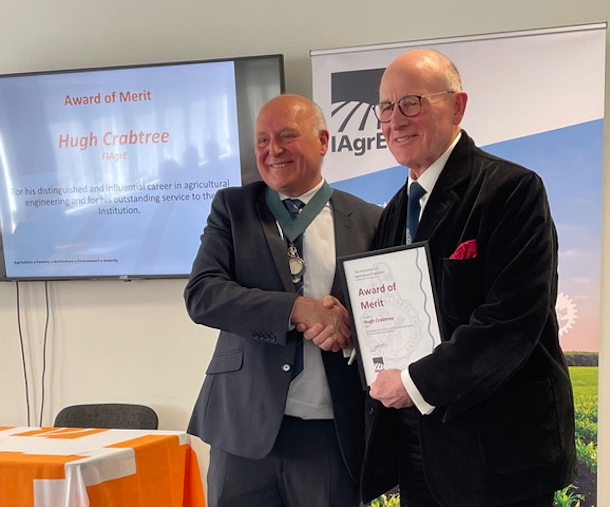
[[44, 349], [23, 363]]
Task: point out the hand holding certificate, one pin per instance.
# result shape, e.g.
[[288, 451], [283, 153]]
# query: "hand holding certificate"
[[392, 308]]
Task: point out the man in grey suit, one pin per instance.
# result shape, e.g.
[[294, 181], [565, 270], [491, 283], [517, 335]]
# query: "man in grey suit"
[[278, 438]]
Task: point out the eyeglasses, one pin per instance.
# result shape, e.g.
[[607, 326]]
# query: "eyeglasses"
[[409, 105]]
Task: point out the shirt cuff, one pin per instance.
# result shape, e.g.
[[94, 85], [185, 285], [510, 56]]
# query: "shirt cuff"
[[422, 405]]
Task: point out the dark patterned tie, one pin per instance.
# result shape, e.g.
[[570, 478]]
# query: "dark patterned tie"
[[413, 210], [294, 207]]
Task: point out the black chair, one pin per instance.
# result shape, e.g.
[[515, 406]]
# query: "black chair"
[[108, 415]]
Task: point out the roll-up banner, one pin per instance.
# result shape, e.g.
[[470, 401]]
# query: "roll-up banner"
[[535, 97]]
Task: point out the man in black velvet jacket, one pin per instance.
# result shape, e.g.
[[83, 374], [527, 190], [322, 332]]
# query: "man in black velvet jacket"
[[487, 419]]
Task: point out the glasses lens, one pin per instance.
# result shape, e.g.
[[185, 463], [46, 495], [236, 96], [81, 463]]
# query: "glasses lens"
[[383, 111], [409, 105]]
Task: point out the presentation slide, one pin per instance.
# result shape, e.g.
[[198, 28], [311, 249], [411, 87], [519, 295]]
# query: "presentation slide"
[[111, 172]]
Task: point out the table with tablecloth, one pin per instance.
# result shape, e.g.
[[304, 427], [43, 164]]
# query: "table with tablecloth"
[[69, 467]]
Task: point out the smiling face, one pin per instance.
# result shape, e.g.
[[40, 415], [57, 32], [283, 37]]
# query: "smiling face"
[[417, 141], [290, 144]]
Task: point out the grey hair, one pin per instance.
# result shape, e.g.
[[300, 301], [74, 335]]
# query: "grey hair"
[[452, 75], [448, 69], [318, 115]]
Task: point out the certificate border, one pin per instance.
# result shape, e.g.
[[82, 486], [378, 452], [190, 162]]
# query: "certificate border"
[[424, 245]]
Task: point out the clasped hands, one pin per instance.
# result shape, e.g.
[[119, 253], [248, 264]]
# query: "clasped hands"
[[324, 321]]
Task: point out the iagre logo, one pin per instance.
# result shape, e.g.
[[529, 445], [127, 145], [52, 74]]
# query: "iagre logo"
[[353, 95]]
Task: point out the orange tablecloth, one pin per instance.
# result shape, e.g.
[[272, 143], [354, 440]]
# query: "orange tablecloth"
[[51, 467]]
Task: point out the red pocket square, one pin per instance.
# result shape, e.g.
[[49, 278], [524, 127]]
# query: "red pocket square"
[[466, 250]]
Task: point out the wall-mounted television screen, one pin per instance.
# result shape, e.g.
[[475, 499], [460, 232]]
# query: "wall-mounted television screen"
[[110, 172]]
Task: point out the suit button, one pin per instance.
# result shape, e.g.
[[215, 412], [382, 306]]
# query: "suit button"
[[371, 410], [286, 367]]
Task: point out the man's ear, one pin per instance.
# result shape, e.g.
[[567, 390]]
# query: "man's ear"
[[324, 137], [461, 98]]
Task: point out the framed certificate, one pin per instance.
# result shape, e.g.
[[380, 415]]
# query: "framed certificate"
[[392, 308]]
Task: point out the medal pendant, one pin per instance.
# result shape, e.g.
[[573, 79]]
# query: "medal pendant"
[[295, 263], [297, 267]]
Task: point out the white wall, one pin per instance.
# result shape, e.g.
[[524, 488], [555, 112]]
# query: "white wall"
[[117, 341]]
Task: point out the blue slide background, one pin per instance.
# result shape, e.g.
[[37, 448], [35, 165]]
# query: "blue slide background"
[[194, 103]]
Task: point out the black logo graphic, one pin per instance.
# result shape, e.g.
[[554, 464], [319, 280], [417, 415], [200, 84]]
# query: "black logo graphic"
[[360, 87], [378, 364]]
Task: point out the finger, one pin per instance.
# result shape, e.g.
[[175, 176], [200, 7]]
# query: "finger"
[[344, 312], [342, 341], [335, 342], [348, 342], [329, 302], [324, 335], [373, 391], [330, 344], [313, 331], [330, 340], [346, 332]]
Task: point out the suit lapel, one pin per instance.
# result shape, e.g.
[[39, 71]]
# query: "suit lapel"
[[275, 242], [445, 195], [344, 226], [344, 232]]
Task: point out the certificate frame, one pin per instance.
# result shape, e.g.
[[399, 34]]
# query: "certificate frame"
[[391, 301]]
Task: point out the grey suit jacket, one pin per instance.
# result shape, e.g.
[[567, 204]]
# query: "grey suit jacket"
[[240, 283], [503, 427]]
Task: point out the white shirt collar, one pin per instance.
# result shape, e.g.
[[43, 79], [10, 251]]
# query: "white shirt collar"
[[306, 197], [429, 177]]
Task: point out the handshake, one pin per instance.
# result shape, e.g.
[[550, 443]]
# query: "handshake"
[[324, 321]]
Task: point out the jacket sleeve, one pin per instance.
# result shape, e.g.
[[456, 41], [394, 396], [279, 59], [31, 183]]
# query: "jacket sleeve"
[[234, 284]]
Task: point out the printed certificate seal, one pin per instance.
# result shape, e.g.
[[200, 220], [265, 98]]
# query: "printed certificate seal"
[[392, 333]]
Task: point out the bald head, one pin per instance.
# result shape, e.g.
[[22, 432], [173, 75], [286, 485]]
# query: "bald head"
[[430, 65], [296, 103]]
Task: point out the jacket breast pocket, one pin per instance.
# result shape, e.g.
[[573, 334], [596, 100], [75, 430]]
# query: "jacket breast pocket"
[[460, 288], [225, 362]]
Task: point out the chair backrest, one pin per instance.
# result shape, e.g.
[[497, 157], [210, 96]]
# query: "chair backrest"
[[108, 415]]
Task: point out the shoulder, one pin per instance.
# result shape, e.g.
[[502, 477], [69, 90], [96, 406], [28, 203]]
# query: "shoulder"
[[248, 193], [500, 172], [350, 203], [495, 170]]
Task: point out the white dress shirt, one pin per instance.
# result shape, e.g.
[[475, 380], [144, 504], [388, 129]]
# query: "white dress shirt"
[[427, 180], [309, 394]]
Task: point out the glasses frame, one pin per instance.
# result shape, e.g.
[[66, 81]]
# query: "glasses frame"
[[392, 105]]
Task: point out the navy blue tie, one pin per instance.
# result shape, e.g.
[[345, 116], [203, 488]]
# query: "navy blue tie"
[[413, 210], [294, 206]]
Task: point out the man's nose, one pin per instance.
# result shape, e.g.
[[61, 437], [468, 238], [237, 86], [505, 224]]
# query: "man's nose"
[[275, 147], [397, 118]]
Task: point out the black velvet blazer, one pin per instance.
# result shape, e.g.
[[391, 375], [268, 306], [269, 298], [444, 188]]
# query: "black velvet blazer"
[[503, 427]]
